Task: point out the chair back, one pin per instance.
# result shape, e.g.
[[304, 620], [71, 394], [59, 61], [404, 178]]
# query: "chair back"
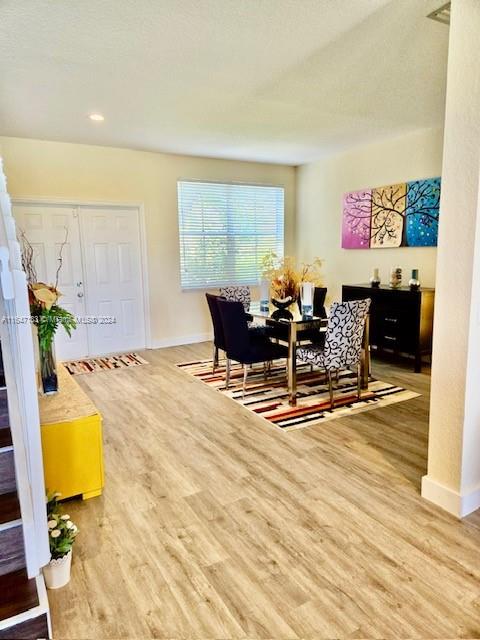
[[235, 328], [319, 296], [237, 293], [343, 340], [218, 336]]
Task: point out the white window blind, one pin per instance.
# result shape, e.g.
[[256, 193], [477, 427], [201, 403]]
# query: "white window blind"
[[225, 231]]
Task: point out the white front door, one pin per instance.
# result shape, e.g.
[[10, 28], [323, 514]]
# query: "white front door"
[[47, 228], [100, 277], [113, 278]]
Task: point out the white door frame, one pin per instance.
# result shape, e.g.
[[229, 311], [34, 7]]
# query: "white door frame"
[[139, 206]]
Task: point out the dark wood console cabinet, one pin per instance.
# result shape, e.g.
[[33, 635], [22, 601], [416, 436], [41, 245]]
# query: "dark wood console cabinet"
[[401, 320]]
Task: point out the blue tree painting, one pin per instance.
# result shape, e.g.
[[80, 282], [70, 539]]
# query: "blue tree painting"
[[421, 213]]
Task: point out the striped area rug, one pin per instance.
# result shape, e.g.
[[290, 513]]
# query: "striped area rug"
[[269, 398], [107, 363]]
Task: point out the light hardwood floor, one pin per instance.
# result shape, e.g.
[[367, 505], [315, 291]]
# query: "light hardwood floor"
[[215, 525]]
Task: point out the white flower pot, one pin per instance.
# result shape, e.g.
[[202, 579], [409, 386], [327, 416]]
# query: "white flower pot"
[[57, 572]]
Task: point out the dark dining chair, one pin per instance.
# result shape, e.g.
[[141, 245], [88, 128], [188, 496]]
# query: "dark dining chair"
[[243, 346], [342, 347], [218, 335], [315, 335], [319, 295], [242, 293], [237, 293]]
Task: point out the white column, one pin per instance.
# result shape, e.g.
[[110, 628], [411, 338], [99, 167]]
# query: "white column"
[[453, 479]]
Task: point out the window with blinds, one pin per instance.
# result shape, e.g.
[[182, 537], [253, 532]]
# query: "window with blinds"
[[225, 231]]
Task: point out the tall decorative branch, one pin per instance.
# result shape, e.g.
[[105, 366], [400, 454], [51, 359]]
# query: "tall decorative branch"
[[28, 259], [60, 258]]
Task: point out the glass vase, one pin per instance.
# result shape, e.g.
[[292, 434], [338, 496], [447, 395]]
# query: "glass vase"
[[48, 369], [306, 293], [264, 294]]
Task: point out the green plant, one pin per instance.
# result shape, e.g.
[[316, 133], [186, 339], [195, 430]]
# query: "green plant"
[[47, 321], [61, 530]]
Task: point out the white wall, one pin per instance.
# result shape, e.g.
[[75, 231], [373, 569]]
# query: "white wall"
[[453, 479], [84, 172], [320, 189]]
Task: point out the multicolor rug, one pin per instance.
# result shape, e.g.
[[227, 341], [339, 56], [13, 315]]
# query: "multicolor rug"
[[269, 398], [107, 363]]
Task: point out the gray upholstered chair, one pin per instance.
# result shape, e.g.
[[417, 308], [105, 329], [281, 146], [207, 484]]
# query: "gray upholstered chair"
[[343, 341]]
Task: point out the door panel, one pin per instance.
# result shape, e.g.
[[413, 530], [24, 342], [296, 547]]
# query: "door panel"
[[45, 227], [113, 270]]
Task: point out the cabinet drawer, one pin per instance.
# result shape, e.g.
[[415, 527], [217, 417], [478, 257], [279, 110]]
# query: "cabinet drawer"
[[396, 330], [388, 341], [396, 300]]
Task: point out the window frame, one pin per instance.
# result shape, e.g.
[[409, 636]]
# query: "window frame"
[[231, 236]]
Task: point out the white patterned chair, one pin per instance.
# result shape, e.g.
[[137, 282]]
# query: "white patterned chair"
[[343, 341]]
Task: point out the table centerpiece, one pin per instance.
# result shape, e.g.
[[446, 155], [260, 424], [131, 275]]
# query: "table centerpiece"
[[287, 279]]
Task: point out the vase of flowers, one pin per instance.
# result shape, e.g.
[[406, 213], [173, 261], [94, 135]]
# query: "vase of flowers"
[[46, 316], [287, 280], [61, 534]]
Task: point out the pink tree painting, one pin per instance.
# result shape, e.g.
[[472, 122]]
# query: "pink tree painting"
[[357, 212]]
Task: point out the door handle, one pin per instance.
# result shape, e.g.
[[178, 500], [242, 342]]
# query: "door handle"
[[79, 294]]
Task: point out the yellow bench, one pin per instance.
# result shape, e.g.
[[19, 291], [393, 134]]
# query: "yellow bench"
[[71, 429]]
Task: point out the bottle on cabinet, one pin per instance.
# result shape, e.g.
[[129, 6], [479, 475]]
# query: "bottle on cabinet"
[[375, 279], [414, 282]]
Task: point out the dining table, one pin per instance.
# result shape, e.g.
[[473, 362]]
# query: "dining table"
[[295, 330]]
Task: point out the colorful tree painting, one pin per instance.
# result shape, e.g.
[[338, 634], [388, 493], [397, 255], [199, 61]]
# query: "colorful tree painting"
[[388, 215], [423, 204], [404, 214], [357, 211]]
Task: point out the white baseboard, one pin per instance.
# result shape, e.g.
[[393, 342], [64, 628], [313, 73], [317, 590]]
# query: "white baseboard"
[[450, 500], [178, 341]]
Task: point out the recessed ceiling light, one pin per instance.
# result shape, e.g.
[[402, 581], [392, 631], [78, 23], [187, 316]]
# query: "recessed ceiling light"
[[96, 117]]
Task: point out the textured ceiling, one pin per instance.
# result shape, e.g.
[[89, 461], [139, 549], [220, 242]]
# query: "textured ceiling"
[[268, 80]]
